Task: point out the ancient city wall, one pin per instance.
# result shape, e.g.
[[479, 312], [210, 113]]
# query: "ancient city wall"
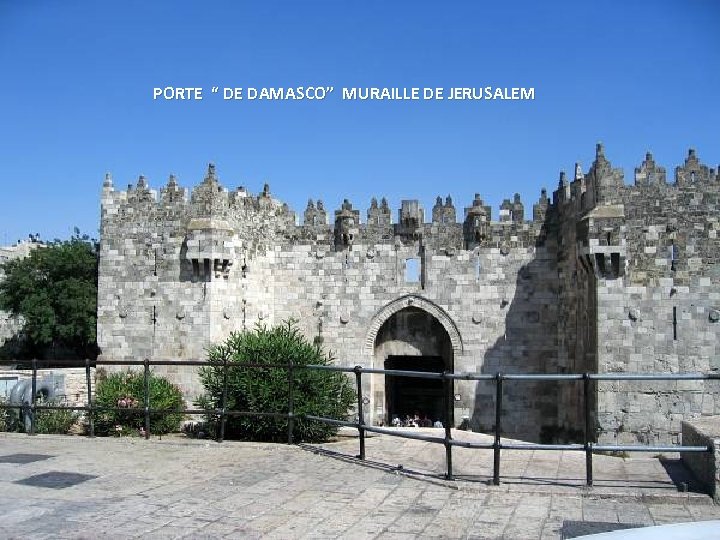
[[605, 277], [179, 272]]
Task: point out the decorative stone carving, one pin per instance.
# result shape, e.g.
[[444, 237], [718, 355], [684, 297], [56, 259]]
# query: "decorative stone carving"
[[634, 314], [714, 315], [477, 318], [344, 318]]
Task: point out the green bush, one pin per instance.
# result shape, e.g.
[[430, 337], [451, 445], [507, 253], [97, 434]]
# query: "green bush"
[[10, 420], [127, 390], [54, 420], [58, 421], [4, 417], [323, 393]]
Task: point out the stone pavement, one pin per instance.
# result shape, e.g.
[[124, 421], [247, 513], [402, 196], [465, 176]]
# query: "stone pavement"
[[198, 489], [558, 471]]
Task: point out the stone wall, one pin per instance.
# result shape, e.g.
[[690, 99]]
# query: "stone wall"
[[502, 314], [650, 252], [178, 273], [605, 277], [704, 465]]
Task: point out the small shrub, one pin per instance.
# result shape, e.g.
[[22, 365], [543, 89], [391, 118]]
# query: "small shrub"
[[4, 420], [127, 390], [11, 420], [321, 393], [57, 421]]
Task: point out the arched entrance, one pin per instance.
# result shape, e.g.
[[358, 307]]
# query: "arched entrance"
[[412, 339], [378, 346]]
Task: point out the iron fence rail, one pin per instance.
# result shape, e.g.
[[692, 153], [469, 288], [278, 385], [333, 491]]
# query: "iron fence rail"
[[222, 413]]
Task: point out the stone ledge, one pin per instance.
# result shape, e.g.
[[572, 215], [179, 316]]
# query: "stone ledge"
[[706, 465]]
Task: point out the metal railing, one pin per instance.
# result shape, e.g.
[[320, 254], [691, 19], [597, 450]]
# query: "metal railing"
[[222, 413]]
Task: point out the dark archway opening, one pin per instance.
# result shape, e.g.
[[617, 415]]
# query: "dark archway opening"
[[411, 396], [412, 340]]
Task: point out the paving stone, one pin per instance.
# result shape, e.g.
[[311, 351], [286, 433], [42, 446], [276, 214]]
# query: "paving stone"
[[356, 506]]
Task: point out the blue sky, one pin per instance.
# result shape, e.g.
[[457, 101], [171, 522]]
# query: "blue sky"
[[76, 98]]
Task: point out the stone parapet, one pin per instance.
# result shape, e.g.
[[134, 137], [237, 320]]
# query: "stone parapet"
[[704, 465]]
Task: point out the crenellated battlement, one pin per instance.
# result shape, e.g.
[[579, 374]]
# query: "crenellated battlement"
[[141, 207], [597, 206], [649, 230], [603, 184]]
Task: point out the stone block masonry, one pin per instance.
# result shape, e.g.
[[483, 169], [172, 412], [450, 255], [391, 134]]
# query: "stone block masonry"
[[705, 466], [604, 277]]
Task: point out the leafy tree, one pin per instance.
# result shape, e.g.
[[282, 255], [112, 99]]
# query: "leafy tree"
[[323, 393], [54, 290]]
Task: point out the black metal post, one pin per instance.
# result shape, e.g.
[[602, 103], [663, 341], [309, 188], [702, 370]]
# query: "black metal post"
[[223, 404], [361, 414], [498, 429], [33, 398], [291, 405], [147, 398], [449, 402], [91, 420], [588, 428]]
